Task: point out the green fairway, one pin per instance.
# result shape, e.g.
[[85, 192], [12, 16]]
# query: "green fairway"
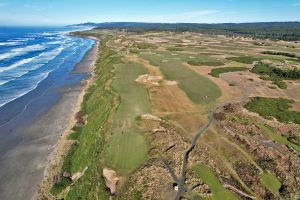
[[125, 152], [218, 191], [127, 148], [217, 71], [153, 59], [197, 87], [202, 62], [270, 182]]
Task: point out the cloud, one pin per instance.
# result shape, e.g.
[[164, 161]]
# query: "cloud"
[[181, 17]]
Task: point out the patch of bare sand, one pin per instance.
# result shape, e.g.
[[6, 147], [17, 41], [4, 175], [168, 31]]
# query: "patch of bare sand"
[[149, 80], [111, 180], [252, 85]]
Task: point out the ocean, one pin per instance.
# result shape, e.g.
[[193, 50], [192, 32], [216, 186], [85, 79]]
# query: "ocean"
[[42, 76], [29, 55]]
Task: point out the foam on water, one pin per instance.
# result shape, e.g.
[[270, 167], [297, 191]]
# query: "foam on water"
[[21, 51], [37, 54], [21, 62]]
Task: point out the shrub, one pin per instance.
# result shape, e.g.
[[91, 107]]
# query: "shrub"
[[278, 108]]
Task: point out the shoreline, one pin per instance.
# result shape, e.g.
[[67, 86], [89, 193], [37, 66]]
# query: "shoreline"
[[31, 139], [63, 144]]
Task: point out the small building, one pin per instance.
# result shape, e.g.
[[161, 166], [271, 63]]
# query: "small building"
[[175, 186]]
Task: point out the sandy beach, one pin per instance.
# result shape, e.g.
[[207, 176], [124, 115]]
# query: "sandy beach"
[[30, 140]]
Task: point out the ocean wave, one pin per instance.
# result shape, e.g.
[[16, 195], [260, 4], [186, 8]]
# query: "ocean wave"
[[21, 51], [34, 83], [12, 43], [19, 63], [32, 64]]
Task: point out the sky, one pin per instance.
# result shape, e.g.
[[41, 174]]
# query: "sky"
[[65, 12]]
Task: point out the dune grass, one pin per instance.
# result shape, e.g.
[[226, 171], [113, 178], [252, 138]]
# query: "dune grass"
[[217, 71], [207, 176], [86, 152], [127, 148], [278, 138], [145, 46]]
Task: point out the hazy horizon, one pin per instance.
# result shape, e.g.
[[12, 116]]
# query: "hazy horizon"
[[66, 12]]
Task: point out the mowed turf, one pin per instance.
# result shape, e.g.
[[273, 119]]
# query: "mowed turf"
[[207, 176], [197, 87], [271, 182], [127, 147]]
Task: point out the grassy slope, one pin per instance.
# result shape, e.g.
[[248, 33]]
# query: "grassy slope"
[[97, 106], [206, 175], [270, 182], [127, 148], [278, 138]]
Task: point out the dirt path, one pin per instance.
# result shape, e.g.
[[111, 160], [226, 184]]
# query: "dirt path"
[[181, 180]]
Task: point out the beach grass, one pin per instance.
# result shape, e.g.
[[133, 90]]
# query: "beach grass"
[[85, 153]]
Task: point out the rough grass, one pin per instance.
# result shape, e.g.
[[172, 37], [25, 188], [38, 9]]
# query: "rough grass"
[[278, 108], [145, 46], [278, 138], [174, 49], [127, 148], [197, 87], [244, 59], [217, 71], [270, 182], [200, 62], [206, 175], [86, 152]]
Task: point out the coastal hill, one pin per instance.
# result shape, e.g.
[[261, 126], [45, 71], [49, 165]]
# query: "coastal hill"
[[272, 30]]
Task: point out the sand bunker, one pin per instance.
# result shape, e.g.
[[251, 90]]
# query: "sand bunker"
[[150, 117], [149, 80], [111, 180], [171, 83]]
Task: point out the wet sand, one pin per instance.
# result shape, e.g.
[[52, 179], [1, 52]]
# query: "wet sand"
[[28, 140]]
